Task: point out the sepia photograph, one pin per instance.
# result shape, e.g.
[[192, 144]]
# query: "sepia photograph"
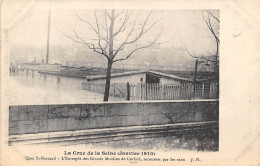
[[148, 77], [119, 84]]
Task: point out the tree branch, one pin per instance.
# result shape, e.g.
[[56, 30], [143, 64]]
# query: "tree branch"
[[119, 14], [123, 24], [122, 45], [99, 41], [200, 57], [92, 27], [213, 16], [106, 31], [155, 40], [142, 32], [89, 45], [208, 22], [107, 14]]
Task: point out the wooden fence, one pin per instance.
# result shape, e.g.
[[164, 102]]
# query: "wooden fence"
[[151, 91], [116, 90]]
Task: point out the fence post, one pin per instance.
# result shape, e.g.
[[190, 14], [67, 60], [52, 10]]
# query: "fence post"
[[189, 91], [140, 91], [127, 91], [195, 77], [163, 87]]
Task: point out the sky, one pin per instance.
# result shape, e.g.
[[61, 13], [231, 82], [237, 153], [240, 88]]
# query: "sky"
[[181, 28]]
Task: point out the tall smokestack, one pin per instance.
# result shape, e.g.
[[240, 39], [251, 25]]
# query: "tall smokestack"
[[48, 37]]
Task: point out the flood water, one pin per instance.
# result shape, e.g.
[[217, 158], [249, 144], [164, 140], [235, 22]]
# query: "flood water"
[[35, 89]]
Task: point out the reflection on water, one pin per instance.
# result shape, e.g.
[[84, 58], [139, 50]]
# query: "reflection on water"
[[35, 88]]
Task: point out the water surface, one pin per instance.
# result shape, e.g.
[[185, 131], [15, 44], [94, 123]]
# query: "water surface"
[[36, 89]]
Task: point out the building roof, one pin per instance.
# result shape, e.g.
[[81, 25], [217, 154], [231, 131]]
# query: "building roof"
[[158, 74], [210, 79], [114, 75], [171, 76]]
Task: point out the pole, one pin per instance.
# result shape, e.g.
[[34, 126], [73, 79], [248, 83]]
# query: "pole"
[[195, 78], [128, 91], [48, 38]]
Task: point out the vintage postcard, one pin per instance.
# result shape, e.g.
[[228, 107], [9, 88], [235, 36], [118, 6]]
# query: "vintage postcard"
[[130, 82]]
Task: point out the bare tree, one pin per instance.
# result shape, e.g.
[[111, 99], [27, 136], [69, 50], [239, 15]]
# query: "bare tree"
[[212, 21], [107, 28]]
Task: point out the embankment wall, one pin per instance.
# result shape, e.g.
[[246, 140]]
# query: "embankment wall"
[[49, 118]]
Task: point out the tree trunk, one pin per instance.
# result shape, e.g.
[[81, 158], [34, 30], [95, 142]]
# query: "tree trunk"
[[108, 77], [110, 57]]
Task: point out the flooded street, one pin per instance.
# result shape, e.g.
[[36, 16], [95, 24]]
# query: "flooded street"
[[34, 89]]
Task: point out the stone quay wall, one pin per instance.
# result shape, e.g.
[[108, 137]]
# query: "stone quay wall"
[[28, 119]]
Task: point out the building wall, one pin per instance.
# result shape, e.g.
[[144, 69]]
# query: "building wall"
[[132, 79], [50, 118], [135, 79]]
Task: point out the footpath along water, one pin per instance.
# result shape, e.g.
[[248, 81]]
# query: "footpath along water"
[[36, 89]]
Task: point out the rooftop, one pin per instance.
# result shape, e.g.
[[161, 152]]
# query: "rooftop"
[[158, 74], [188, 78]]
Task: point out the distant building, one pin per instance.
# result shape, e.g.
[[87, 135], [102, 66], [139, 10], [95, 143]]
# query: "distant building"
[[75, 63], [153, 85], [135, 77]]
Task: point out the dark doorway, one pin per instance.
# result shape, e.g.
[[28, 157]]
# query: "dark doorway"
[[152, 79]]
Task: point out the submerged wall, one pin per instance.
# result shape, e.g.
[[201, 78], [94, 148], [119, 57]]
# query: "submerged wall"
[[50, 118]]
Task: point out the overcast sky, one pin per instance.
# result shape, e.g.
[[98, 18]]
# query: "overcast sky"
[[181, 28]]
